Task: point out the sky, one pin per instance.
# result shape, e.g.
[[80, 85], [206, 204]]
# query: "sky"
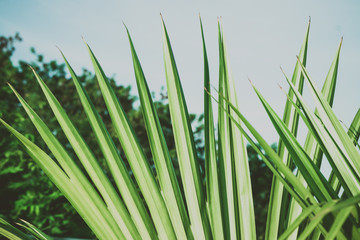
[[260, 35]]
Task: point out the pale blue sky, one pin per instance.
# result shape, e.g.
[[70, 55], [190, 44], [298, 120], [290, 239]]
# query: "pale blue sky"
[[261, 36]]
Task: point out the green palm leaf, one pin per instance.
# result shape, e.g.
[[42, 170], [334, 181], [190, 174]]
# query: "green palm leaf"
[[172, 194], [184, 141], [237, 167], [91, 197], [116, 164], [135, 156], [211, 166], [354, 130], [61, 180], [10, 232], [115, 204], [34, 230], [303, 203], [278, 198], [311, 147], [335, 155], [332, 123]]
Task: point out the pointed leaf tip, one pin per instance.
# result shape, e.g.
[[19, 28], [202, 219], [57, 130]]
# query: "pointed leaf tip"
[[124, 24], [126, 28], [58, 47], [298, 59], [60, 51], [12, 88], [283, 90], [282, 70], [82, 37], [280, 86], [250, 81], [31, 67], [207, 90]]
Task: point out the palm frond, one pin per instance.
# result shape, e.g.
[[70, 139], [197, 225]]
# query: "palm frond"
[[156, 205]]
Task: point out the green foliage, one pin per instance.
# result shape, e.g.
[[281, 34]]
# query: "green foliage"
[[26, 190], [225, 197], [261, 180]]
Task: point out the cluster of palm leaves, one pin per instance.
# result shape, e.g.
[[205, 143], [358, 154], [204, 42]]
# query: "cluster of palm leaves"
[[303, 203]]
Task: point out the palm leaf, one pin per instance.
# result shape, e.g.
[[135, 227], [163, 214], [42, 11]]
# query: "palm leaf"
[[91, 197], [316, 181], [219, 206], [62, 181], [165, 170], [112, 199], [116, 165], [225, 166], [10, 232], [354, 130], [239, 193], [311, 147], [279, 198], [335, 155], [211, 166], [189, 166], [34, 230], [332, 123], [135, 156]]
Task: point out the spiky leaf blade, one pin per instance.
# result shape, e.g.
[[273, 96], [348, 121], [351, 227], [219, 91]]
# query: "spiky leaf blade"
[[332, 123], [311, 147], [116, 165], [243, 192], [338, 223], [11, 232], [225, 167], [278, 197], [167, 177], [335, 155], [35, 231], [354, 130], [61, 180], [135, 155], [184, 141], [92, 200], [87, 158], [316, 181], [211, 167]]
